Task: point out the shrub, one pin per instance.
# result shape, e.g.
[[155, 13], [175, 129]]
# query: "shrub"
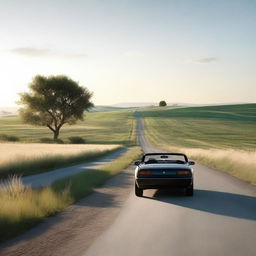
[[46, 140], [76, 140], [13, 138], [5, 137], [59, 141]]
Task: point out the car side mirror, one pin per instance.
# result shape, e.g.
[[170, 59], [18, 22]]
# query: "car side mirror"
[[138, 162], [191, 162]]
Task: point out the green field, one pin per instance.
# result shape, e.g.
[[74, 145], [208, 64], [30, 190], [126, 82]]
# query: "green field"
[[114, 127], [106, 109], [231, 126], [222, 137]]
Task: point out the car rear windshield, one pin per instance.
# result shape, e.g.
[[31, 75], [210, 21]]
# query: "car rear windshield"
[[176, 159]]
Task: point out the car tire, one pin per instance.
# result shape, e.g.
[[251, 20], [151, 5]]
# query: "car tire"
[[138, 191], [190, 190]]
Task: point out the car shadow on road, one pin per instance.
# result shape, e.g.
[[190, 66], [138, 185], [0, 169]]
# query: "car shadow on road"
[[216, 202], [99, 199]]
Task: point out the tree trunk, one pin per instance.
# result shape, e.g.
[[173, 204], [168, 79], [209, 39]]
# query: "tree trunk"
[[56, 134]]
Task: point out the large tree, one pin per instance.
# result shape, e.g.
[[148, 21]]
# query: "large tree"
[[54, 101]]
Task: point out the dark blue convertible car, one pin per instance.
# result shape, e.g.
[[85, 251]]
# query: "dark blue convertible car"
[[164, 170]]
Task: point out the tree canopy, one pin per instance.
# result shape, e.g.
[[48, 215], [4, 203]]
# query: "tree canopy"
[[162, 103], [54, 101]]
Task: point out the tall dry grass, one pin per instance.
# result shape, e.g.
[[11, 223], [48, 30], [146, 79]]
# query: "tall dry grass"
[[28, 159], [239, 163], [23, 207], [20, 152]]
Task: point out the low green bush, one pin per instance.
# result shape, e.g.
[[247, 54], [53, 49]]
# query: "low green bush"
[[46, 140], [59, 141], [4, 137], [76, 140]]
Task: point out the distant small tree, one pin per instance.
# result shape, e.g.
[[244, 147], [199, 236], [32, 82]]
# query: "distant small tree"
[[162, 103], [54, 101]]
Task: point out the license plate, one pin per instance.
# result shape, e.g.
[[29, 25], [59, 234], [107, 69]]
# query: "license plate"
[[169, 172]]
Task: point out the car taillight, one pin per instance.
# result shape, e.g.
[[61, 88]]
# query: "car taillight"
[[183, 172], [145, 172]]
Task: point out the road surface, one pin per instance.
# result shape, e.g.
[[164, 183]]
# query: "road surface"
[[219, 220]]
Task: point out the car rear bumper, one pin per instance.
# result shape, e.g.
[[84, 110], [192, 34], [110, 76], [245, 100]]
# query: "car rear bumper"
[[155, 183]]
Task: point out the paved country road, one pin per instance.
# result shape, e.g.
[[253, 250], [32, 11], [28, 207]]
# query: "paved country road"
[[219, 220]]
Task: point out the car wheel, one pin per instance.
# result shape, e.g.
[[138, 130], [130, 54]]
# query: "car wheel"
[[190, 190], [138, 191]]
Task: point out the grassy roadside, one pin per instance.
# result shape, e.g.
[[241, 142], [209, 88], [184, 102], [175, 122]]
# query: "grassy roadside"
[[47, 163], [83, 183], [23, 207], [222, 137], [238, 163]]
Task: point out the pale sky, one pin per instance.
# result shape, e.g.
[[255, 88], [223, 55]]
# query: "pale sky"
[[132, 50]]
